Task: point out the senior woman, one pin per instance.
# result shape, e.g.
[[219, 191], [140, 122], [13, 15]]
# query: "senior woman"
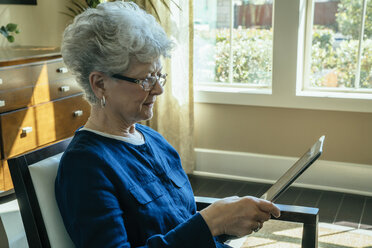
[[121, 184]]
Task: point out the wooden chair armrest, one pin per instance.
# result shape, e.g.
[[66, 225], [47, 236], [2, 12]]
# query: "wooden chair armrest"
[[305, 215]]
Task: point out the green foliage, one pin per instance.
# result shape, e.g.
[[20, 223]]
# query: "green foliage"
[[349, 18], [78, 6], [325, 38], [93, 3], [9, 31], [341, 60], [252, 56], [346, 64]]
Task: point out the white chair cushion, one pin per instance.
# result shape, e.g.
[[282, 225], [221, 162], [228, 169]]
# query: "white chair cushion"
[[43, 174]]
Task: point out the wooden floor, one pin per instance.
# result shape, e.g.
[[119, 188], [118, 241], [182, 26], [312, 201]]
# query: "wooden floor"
[[336, 208]]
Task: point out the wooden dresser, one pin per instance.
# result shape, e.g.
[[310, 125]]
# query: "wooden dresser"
[[40, 103]]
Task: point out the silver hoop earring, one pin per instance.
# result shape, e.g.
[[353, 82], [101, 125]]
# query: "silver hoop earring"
[[103, 101]]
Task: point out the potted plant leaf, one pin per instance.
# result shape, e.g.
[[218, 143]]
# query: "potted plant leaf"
[[78, 6], [9, 31]]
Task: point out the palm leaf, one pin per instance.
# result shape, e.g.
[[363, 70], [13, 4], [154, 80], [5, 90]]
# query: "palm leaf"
[[176, 4], [80, 7], [67, 14], [75, 12], [155, 10], [167, 6]]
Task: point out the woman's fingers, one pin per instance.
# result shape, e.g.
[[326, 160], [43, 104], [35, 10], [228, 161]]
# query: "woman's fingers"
[[238, 216], [262, 216], [264, 208], [269, 207], [258, 227]]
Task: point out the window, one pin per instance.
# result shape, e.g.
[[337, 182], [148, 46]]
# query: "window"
[[233, 42], [336, 77], [340, 41]]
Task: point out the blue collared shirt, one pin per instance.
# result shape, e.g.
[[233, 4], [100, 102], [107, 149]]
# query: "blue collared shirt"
[[115, 194]]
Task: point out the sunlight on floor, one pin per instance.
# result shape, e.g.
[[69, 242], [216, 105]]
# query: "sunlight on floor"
[[268, 243], [284, 234]]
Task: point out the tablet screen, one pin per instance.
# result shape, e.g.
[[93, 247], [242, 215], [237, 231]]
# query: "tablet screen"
[[295, 171]]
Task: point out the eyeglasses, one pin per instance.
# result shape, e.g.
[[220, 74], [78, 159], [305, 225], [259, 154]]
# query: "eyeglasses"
[[148, 83]]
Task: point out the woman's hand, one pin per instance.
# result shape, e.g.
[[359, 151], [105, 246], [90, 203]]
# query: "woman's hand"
[[238, 216]]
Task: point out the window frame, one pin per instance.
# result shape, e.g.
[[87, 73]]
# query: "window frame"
[[308, 49], [289, 27], [230, 82]]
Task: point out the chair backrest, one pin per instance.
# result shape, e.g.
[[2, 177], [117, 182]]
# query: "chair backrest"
[[33, 176], [4, 240]]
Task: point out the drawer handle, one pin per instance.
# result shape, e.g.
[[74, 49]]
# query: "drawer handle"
[[2, 103], [64, 88], [1, 81], [62, 70], [26, 130], [78, 113]]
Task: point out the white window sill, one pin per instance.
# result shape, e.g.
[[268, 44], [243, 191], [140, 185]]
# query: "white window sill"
[[354, 102], [234, 89], [341, 95]]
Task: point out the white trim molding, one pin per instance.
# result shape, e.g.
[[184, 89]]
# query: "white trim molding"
[[323, 175]]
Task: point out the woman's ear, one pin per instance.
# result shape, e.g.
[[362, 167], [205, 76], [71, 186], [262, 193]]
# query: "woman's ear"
[[97, 83]]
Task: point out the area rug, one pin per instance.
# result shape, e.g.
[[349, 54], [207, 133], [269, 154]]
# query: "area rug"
[[279, 234]]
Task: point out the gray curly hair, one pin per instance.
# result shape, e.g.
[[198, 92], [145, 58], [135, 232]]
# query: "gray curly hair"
[[108, 38]]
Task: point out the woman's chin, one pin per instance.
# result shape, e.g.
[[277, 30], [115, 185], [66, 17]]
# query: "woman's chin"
[[147, 111], [147, 115]]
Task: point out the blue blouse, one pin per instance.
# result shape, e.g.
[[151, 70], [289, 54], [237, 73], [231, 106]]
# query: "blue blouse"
[[115, 194]]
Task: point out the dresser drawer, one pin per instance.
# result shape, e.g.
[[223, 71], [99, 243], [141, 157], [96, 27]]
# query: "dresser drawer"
[[16, 99], [27, 129], [60, 119], [18, 132], [12, 77], [51, 91], [20, 76], [57, 70]]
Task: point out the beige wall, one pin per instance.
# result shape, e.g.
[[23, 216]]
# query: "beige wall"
[[274, 131], [281, 131], [39, 25]]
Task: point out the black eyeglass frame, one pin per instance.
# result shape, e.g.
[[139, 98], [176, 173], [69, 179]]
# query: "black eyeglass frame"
[[141, 81]]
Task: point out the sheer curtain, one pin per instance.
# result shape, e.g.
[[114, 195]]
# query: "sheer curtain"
[[174, 110]]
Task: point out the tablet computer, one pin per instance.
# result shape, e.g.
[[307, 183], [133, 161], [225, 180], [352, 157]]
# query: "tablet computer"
[[295, 171]]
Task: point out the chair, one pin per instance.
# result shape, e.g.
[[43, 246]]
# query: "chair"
[[33, 177], [12, 233], [307, 216]]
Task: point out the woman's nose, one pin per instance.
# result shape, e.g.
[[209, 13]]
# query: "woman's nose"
[[157, 89]]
